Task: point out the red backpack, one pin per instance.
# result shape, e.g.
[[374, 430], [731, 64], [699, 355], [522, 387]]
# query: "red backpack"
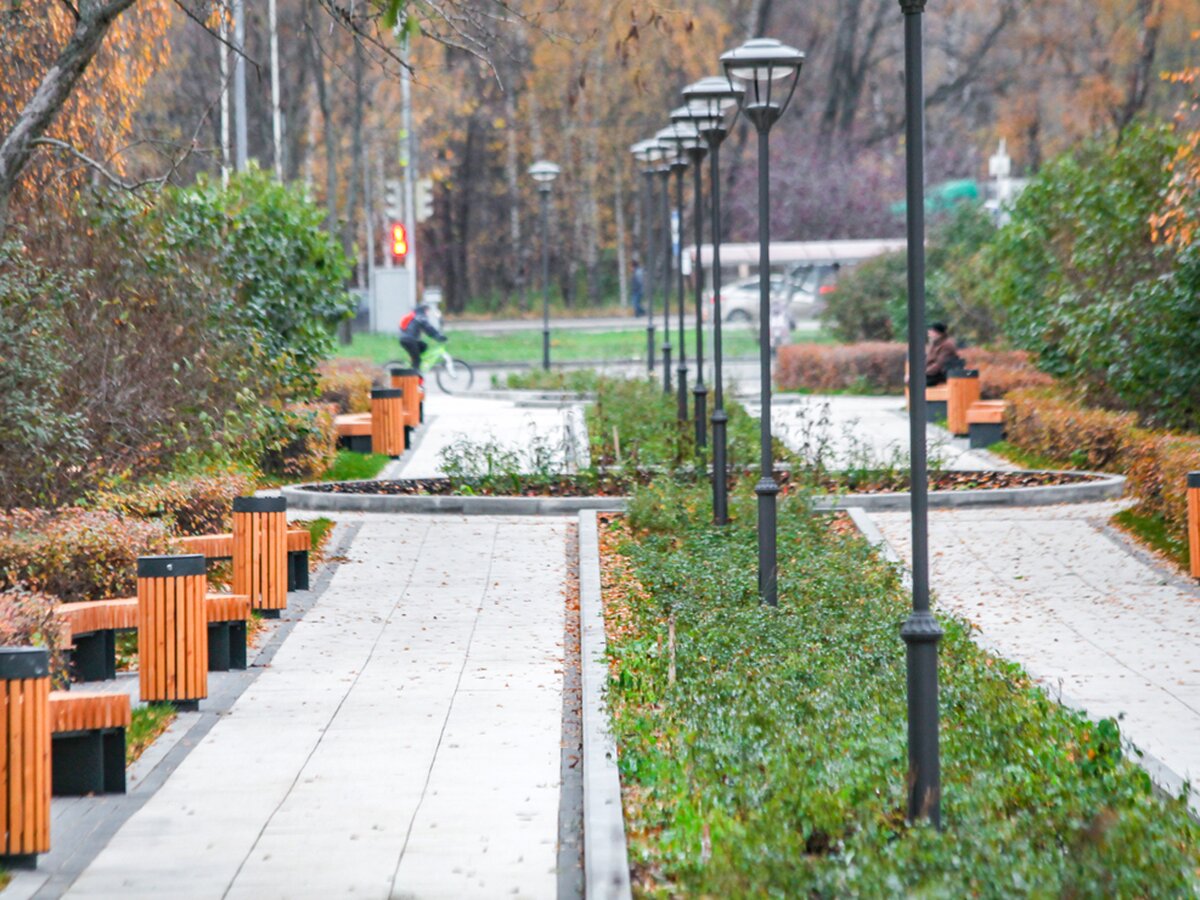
[[407, 320]]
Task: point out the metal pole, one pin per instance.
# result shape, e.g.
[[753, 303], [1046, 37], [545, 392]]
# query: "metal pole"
[[226, 154], [408, 164], [921, 632], [545, 196], [648, 268], [767, 488], [665, 173], [700, 392], [681, 411], [276, 113], [239, 85], [719, 418]]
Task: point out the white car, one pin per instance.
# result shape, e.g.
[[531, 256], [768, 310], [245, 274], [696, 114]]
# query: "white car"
[[802, 291], [739, 299]]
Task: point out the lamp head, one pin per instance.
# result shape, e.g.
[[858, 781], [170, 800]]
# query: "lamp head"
[[766, 71], [544, 172], [710, 100]]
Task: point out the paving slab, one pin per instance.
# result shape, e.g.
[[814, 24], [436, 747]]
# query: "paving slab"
[[1098, 622], [404, 741]]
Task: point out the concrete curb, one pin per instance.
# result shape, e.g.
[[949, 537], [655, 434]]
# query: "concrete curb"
[[605, 854], [322, 501], [1106, 487]]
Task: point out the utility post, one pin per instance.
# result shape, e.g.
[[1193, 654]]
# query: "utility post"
[[408, 154]]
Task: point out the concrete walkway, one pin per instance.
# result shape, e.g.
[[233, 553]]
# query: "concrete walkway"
[[404, 742], [1101, 624]]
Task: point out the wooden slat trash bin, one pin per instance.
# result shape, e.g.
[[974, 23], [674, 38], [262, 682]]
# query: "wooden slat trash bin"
[[260, 552], [1193, 500], [387, 422], [172, 630], [964, 390], [25, 745], [409, 381]]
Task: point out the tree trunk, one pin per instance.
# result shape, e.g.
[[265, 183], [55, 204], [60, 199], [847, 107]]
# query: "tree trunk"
[[95, 19]]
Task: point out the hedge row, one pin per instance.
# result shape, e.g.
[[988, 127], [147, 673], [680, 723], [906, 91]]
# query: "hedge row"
[[199, 504], [877, 367], [30, 619], [346, 384], [1156, 463]]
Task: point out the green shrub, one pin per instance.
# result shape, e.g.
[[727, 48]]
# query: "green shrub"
[[191, 505], [76, 554], [773, 764], [301, 445], [30, 619]]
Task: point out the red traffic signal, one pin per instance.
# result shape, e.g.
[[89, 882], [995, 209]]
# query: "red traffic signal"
[[399, 242]]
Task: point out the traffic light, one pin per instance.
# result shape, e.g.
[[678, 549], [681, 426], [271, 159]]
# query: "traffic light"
[[393, 199], [399, 243], [424, 199]]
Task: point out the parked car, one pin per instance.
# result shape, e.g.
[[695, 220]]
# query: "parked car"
[[800, 291]]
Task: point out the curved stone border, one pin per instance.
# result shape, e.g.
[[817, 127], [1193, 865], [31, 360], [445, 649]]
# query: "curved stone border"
[[1104, 487], [327, 501], [605, 853]]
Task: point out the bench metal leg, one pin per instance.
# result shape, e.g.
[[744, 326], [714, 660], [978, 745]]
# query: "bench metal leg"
[[95, 656], [218, 646], [114, 761], [935, 411], [298, 570], [984, 434], [77, 764], [237, 645]]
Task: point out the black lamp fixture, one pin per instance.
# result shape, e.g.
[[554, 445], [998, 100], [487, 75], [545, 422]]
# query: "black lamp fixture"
[[710, 100], [765, 72], [544, 172]]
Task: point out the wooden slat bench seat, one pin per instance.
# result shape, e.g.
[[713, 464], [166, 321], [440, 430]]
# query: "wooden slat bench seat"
[[220, 546], [93, 627], [88, 746], [985, 422], [354, 431]]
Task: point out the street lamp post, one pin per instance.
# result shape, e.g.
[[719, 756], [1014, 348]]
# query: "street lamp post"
[[767, 71], [921, 631], [667, 154], [647, 152], [544, 173], [709, 100], [696, 149], [683, 137]]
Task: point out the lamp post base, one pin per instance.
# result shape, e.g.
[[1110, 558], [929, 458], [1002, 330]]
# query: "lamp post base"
[[921, 634], [700, 392], [681, 410], [546, 349], [666, 368], [720, 473], [768, 565]]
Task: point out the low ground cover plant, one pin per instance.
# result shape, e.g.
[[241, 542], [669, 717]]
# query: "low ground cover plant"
[[762, 751]]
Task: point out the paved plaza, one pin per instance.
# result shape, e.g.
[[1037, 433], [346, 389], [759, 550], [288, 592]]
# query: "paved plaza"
[[404, 741]]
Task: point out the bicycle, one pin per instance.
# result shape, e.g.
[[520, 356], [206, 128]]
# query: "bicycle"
[[451, 374]]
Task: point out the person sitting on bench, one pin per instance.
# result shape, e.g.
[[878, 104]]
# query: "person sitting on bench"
[[941, 357]]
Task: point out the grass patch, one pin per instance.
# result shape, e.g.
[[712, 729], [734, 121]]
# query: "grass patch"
[[1026, 459], [525, 347], [574, 380], [1154, 532], [763, 751], [148, 723], [351, 466]]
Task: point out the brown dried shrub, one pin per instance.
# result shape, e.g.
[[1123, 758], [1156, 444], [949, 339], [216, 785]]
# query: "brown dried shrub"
[[30, 619], [346, 384], [869, 367], [197, 504], [1158, 464], [1003, 371], [1044, 422]]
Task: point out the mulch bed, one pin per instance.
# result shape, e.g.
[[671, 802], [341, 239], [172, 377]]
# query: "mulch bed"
[[618, 485]]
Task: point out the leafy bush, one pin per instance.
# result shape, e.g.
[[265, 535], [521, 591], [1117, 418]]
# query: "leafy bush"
[[1083, 285], [346, 384], [871, 367], [762, 751], [871, 300], [1046, 423], [302, 445], [30, 619], [192, 505], [76, 554]]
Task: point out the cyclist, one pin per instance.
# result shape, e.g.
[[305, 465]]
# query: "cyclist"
[[412, 326]]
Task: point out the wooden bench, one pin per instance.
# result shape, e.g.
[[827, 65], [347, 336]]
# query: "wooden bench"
[[88, 742], [936, 402], [216, 547], [354, 431], [963, 389], [985, 422], [93, 627]]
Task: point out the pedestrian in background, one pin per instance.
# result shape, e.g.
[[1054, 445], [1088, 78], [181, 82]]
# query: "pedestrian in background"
[[637, 289]]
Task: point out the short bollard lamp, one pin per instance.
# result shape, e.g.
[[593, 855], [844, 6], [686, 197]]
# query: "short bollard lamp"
[[544, 173], [684, 137], [710, 100], [764, 72], [647, 153]]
